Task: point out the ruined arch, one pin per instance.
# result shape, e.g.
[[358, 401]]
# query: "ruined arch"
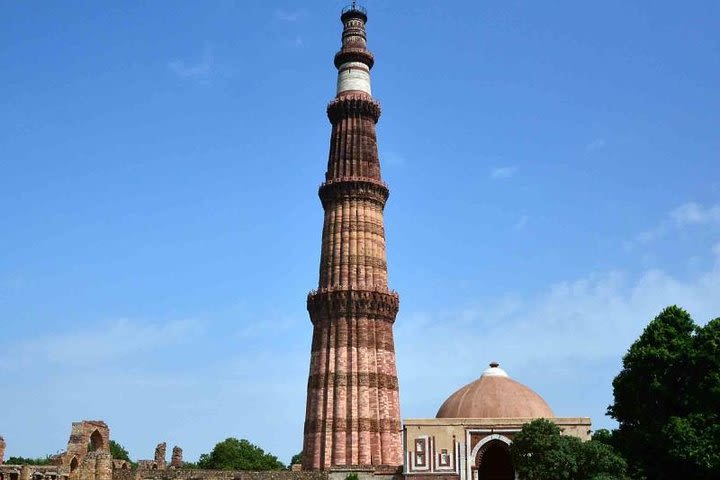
[[96, 441], [74, 464]]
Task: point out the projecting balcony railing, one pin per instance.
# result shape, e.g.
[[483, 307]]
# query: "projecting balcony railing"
[[349, 179], [354, 288], [354, 7]]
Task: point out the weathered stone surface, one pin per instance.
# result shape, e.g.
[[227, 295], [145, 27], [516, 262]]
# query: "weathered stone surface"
[[2, 450], [178, 474], [103, 466], [160, 453], [121, 464], [86, 436], [352, 414], [177, 457], [158, 462]]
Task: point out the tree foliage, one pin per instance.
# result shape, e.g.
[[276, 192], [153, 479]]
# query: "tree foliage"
[[667, 400], [118, 452], [296, 459], [234, 454], [603, 435], [540, 452]]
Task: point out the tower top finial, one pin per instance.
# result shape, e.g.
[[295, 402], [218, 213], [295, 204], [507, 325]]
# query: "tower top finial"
[[355, 10]]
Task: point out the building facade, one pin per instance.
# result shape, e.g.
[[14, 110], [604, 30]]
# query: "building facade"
[[470, 436]]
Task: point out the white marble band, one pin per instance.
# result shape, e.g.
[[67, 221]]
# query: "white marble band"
[[353, 76]]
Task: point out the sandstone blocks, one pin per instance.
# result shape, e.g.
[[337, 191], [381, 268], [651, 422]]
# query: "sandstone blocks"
[[352, 412]]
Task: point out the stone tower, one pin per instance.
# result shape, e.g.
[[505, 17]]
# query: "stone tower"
[[353, 412]]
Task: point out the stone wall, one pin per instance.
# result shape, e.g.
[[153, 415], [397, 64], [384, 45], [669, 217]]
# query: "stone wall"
[[2, 450], [30, 472], [177, 457], [85, 437], [160, 453], [187, 474]]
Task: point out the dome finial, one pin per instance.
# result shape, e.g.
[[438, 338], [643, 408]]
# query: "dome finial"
[[494, 370]]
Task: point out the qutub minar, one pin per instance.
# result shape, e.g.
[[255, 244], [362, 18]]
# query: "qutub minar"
[[352, 421], [353, 409]]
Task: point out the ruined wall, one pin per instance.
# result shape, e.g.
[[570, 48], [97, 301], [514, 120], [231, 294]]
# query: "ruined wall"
[[160, 453], [86, 436], [170, 474], [121, 464], [87, 457], [2, 450], [158, 462], [30, 472], [177, 459]]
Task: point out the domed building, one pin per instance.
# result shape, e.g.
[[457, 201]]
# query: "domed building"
[[469, 438]]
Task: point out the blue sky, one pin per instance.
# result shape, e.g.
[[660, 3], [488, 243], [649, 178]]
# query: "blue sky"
[[555, 182]]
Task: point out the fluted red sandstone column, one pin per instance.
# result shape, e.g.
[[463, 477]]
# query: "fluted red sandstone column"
[[353, 410]]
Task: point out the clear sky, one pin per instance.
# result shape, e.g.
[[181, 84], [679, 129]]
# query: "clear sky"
[[555, 182]]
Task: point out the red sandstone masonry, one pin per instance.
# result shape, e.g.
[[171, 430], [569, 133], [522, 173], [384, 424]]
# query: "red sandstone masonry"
[[353, 413], [185, 474]]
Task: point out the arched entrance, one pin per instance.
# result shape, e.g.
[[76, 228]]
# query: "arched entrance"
[[494, 463]]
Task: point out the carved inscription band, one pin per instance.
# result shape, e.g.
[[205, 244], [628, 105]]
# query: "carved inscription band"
[[365, 260], [363, 341], [353, 379], [353, 425], [366, 226]]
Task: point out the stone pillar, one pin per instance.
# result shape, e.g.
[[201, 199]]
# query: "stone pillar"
[[176, 461], [25, 472], [86, 470], [2, 450], [103, 466], [160, 451]]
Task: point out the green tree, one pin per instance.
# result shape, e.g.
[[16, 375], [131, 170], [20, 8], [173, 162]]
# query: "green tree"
[[234, 454], [540, 452], [599, 460], [118, 452], [296, 459], [667, 400], [603, 435]]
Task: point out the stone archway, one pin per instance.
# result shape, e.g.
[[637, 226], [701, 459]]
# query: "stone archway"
[[74, 464], [96, 442], [494, 462]]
